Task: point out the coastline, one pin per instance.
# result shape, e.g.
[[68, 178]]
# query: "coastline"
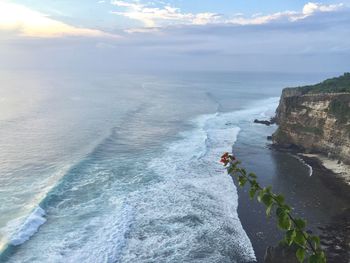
[[338, 169], [328, 213], [335, 236]]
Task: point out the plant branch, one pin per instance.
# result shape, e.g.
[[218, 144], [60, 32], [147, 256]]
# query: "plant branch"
[[294, 227]]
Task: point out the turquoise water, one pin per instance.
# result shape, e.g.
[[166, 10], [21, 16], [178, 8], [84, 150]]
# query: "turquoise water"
[[123, 167]]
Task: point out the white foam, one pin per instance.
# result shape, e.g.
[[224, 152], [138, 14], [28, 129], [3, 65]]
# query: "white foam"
[[106, 243], [98, 238], [192, 212], [304, 163], [29, 227]]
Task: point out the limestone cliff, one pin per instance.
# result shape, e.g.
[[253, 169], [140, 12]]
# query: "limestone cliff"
[[316, 118]]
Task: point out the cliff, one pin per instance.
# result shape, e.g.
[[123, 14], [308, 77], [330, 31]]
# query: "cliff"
[[316, 118]]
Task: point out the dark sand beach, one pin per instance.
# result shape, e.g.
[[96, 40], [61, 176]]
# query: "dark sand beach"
[[322, 198]]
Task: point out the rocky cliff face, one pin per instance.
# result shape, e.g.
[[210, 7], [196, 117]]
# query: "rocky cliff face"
[[314, 122]]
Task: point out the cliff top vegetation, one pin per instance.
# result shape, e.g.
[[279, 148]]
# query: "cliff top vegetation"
[[332, 85]]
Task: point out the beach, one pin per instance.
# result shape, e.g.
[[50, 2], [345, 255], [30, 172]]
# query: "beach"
[[337, 168], [322, 198]]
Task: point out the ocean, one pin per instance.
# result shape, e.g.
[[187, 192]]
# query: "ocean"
[[117, 167]]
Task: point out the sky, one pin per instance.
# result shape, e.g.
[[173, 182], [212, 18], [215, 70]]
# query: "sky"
[[237, 35]]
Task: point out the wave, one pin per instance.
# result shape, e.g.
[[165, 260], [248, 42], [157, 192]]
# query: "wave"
[[190, 215], [29, 227], [104, 246], [304, 163], [19, 230]]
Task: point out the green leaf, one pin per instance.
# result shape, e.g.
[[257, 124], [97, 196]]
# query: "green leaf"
[[313, 259], [319, 257], [268, 209], [260, 195], [284, 222], [286, 207], [280, 211], [242, 181], [252, 192], [267, 199], [290, 234], [300, 254], [299, 238], [316, 241], [254, 183], [280, 199], [243, 171], [252, 175], [300, 223]]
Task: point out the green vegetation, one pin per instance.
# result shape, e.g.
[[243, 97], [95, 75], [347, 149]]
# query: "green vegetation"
[[339, 107], [308, 246], [333, 85]]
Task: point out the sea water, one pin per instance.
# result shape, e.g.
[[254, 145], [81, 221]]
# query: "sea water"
[[108, 167]]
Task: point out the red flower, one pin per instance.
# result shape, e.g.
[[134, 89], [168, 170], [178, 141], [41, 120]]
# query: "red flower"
[[226, 158], [225, 155], [223, 160]]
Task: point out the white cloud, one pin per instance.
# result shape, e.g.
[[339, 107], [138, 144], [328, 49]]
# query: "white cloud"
[[166, 15], [311, 8], [143, 30], [26, 22], [152, 16], [308, 10]]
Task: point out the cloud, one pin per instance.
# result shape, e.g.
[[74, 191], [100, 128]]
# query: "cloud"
[[167, 15], [283, 41], [23, 21], [152, 16], [309, 9]]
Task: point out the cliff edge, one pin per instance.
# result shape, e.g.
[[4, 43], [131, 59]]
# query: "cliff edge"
[[316, 118]]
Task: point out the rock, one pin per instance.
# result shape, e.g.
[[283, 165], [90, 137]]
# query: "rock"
[[316, 120], [265, 122], [273, 120]]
